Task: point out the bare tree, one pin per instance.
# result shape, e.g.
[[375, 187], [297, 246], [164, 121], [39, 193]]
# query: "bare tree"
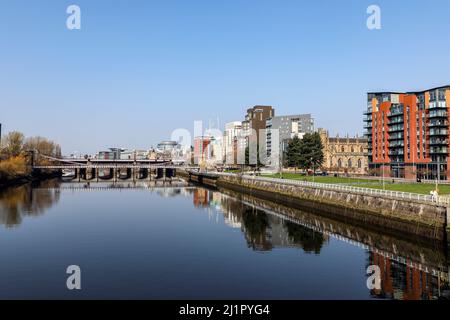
[[12, 144]]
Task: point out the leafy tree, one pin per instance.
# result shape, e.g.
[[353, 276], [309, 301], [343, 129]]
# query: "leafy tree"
[[311, 151], [293, 159]]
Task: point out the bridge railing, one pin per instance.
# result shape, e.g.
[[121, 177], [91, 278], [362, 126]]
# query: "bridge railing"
[[351, 189]]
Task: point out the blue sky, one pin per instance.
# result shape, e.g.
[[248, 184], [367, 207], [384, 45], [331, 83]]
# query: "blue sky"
[[139, 69]]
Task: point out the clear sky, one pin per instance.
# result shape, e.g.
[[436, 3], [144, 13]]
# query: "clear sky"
[[139, 69]]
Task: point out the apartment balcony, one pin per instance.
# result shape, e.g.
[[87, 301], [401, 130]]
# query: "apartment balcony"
[[438, 142], [395, 113], [397, 144], [368, 126], [396, 128], [439, 150], [396, 137], [437, 114], [438, 132], [400, 152], [438, 124], [367, 112], [437, 105]]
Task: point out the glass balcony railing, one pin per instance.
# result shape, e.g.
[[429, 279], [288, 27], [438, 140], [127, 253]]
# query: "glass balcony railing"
[[438, 114], [395, 137], [438, 132], [438, 142], [437, 105], [438, 124], [396, 128], [396, 152], [439, 150], [397, 144]]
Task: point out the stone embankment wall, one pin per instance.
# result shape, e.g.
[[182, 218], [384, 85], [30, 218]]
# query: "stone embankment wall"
[[407, 216]]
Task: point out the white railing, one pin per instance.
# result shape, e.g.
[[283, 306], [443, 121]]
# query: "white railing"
[[345, 188]]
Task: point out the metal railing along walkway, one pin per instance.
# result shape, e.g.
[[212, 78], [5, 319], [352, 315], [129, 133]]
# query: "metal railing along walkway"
[[352, 189]]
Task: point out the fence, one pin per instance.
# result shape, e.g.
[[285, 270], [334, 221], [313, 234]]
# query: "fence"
[[345, 188]]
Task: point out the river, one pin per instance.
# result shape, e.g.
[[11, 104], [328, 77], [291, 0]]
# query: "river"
[[159, 240]]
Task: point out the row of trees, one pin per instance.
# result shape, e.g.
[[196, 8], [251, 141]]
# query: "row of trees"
[[15, 151], [15, 144], [306, 153]]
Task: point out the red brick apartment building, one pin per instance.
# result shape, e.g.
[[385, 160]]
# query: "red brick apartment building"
[[408, 133]]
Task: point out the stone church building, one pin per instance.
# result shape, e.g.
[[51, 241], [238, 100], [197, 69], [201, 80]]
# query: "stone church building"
[[344, 155]]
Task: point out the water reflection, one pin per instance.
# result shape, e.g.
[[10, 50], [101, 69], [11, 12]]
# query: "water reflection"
[[409, 270], [19, 202], [406, 282]]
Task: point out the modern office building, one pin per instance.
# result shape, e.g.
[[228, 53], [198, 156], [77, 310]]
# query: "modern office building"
[[255, 119], [408, 133], [287, 127], [111, 154]]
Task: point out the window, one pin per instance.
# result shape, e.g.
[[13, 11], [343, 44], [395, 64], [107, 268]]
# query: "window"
[[349, 163], [342, 149], [339, 163], [359, 163], [353, 149]]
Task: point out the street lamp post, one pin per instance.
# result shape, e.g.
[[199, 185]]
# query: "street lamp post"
[[281, 159]]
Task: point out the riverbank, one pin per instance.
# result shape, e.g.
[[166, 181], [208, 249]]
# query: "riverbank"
[[414, 215], [35, 176]]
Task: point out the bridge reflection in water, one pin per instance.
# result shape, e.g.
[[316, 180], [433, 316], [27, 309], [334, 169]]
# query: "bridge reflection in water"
[[409, 269]]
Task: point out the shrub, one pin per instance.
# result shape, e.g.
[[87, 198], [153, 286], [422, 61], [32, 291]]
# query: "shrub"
[[14, 167]]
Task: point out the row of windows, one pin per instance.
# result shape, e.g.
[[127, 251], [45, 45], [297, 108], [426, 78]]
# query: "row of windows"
[[344, 149], [349, 163]]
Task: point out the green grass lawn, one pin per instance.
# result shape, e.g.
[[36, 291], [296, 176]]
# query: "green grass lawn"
[[320, 179], [422, 188]]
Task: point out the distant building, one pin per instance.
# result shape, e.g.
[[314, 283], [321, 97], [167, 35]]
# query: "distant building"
[[233, 140], [255, 119], [202, 149], [287, 128], [134, 155], [216, 157], [408, 133], [166, 146], [111, 154], [171, 149], [344, 155]]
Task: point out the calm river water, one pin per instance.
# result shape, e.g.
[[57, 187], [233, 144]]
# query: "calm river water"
[[178, 241]]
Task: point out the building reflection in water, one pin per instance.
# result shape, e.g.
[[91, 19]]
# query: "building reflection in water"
[[406, 282], [264, 231], [19, 202], [401, 278]]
